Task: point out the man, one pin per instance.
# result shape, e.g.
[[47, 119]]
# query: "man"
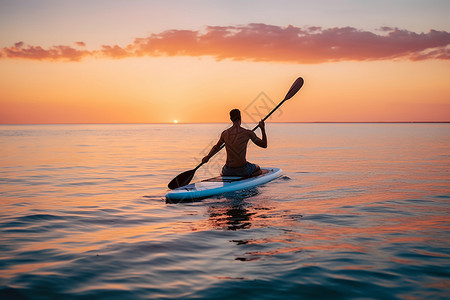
[[236, 139]]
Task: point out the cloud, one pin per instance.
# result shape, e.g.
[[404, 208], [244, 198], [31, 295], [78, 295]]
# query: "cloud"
[[113, 52], [67, 53], [262, 42], [81, 44]]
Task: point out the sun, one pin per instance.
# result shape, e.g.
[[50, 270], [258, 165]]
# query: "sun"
[[175, 121]]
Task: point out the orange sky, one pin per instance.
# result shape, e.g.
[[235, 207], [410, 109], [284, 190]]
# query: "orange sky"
[[198, 72]]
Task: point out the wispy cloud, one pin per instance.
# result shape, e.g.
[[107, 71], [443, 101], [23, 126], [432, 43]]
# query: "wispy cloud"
[[261, 42], [20, 50]]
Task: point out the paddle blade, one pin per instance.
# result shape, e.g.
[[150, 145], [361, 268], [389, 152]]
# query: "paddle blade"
[[296, 86], [182, 179]]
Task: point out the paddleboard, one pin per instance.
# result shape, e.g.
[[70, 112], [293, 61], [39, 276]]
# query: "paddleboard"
[[221, 184]]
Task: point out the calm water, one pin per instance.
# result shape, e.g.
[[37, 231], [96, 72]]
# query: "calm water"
[[362, 211]]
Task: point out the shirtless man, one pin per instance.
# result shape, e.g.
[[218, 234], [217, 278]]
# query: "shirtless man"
[[236, 139]]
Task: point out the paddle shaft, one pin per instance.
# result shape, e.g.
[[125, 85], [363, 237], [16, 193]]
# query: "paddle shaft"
[[273, 110]]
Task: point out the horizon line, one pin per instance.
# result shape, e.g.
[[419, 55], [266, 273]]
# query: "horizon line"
[[194, 123]]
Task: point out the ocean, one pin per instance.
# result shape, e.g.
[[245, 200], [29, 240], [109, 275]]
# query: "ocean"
[[362, 211]]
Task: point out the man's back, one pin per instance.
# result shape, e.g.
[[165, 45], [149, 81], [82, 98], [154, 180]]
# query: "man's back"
[[236, 140]]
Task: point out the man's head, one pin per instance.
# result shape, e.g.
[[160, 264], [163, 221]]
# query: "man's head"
[[235, 115]]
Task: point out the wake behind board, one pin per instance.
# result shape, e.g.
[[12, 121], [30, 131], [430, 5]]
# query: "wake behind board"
[[221, 184]]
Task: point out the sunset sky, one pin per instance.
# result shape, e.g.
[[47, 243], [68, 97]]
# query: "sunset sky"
[[89, 61]]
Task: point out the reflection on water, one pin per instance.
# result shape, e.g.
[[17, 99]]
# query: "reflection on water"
[[233, 213], [361, 212], [231, 218]]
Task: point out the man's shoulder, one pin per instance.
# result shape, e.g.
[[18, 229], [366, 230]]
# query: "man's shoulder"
[[249, 131], [241, 130], [246, 131], [225, 131]]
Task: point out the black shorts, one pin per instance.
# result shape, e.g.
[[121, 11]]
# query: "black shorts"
[[244, 171]]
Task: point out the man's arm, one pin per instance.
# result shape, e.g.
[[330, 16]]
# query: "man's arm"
[[260, 142], [214, 150]]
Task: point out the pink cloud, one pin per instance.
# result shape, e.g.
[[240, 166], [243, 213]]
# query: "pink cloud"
[[67, 53], [261, 42], [113, 52]]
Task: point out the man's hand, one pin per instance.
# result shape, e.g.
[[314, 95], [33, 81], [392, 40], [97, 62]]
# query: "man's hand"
[[261, 124], [205, 159]]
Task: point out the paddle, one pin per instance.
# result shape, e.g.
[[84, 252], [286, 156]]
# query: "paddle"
[[186, 177]]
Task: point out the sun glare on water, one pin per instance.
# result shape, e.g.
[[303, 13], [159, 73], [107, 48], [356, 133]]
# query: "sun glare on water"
[[175, 121]]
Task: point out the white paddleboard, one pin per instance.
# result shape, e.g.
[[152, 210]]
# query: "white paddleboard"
[[221, 184]]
